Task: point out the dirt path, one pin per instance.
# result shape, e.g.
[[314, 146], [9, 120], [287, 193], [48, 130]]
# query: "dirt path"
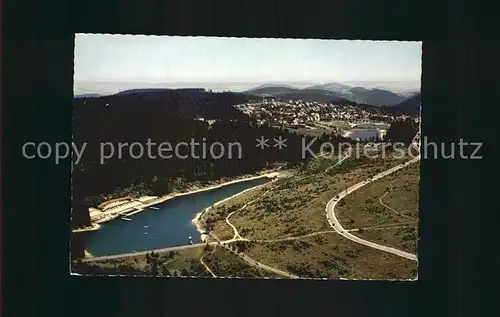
[[385, 227], [205, 265], [392, 209]]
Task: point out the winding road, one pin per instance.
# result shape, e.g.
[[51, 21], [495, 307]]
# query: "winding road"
[[334, 222], [385, 227], [257, 264], [330, 214], [332, 219], [238, 237]]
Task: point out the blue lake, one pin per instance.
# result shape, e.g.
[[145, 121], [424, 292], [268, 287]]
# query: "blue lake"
[[363, 134], [170, 225]]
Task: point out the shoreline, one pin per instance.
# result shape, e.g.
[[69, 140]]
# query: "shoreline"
[[347, 134], [93, 227], [196, 221], [161, 199]]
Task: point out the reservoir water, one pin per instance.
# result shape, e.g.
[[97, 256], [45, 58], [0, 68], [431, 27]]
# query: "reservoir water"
[[364, 134], [170, 225]]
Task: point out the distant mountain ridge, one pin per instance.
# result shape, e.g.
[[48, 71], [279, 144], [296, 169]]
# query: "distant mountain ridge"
[[334, 91], [141, 90], [273, 85], [332, 87], [411, 105], [89, 95], [307, 94], [272, 90], [329, 92]]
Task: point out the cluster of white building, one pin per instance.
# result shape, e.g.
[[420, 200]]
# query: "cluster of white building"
[[294, 112]]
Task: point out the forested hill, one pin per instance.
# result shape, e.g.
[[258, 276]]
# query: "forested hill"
[[402, 130], [333, 92], [167, 116], [318, 95], [183, 102]]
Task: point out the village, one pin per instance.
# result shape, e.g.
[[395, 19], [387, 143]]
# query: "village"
[[298, 113]]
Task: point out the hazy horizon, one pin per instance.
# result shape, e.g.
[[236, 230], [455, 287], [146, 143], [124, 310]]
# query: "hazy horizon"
[[111, 87], [213, 62]]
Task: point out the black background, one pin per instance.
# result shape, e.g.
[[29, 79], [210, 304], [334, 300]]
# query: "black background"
[[38, 44]]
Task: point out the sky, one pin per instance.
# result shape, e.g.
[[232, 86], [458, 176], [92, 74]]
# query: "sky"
[[155, 59]]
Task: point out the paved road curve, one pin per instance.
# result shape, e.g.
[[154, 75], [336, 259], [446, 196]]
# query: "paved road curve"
[[330, 210], [332, 219]]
